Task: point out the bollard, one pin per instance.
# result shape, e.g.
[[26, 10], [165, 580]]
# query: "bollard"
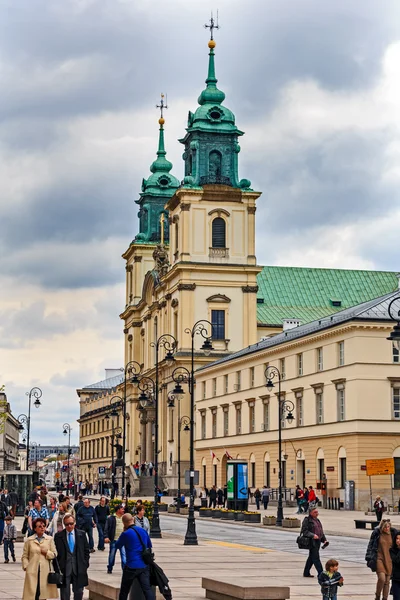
[[329, 502], [335, 504]]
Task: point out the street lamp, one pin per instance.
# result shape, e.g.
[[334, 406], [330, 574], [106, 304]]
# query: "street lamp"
[[33, 446], [169, 343], [132, 371], [394, 313], [67, 430], [25, 421], [185, 421], [115, 404], [183, 375], [285, 408]]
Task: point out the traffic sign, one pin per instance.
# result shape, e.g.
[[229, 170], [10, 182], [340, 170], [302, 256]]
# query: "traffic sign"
[[57, 475], [380, 466], [102, 472]]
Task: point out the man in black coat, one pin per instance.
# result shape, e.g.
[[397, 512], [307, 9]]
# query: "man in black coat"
[[73, 558], [312, 529]]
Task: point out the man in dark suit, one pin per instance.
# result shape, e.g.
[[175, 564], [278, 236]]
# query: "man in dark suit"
[[73, 557]]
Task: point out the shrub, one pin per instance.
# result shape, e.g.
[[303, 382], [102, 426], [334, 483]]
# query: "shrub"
[[130, 504]]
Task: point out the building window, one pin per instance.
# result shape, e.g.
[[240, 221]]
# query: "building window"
[[319, 404], [396, 353], [320, 359], [299, 411], [215, 474], [266, 415], [204, 389], [238, 420], [214, 423], [251, 377], [282, 368], [171, 425], [268, 474], [226, 421], [252, 418], [396, 402], [214, 386], [203, 426], [253, 474], [341, 354], [342, 473], [341, 404], [238, 385], [218, 324], [218, 233], [300, 364], [226, 384]]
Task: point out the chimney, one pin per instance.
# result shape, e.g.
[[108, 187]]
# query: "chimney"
[[290, 324], [113, 372]]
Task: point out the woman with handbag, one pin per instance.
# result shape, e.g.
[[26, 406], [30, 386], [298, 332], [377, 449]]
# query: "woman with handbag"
[[39, 551], [378, 556]]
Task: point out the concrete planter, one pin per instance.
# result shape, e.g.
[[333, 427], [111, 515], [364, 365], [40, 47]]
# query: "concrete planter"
[[172, 509], [216, 514], [184, 510], [269, 521], [205, 513], [291, 523], [162, 507], [239, 516], [252, 518]]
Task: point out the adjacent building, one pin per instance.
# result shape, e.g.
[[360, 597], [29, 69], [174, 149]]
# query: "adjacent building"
[[9, 436]]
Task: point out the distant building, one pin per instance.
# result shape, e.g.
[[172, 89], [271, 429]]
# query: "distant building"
[[9, 436], [39, 453]]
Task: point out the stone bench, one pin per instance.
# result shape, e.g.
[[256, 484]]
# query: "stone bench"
[[362, 523], [101, 588], [256, 588]]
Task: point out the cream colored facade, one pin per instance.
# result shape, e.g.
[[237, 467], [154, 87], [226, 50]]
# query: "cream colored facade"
[[344, 382]]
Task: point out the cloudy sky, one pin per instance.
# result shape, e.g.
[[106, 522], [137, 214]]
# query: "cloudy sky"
[[315, 86]]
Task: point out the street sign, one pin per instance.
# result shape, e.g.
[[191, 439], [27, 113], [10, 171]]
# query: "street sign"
[[380, 466], [102, 472], [195, 476]]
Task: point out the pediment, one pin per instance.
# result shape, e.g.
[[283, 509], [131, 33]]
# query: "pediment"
[[218, 298]]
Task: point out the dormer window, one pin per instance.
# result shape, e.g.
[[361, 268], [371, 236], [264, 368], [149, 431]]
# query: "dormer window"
[[215, 114]]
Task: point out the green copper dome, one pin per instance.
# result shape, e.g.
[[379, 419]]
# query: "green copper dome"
[[156, 191]]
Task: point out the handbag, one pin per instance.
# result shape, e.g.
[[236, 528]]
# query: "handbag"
[[147, 553], [54, 577], [303, 542]]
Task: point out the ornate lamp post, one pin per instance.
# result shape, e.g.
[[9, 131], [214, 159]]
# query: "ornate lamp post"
[[132, 371], [183, 375], [34, 446], [67, 430], [25, 421], [115, 404], [394, 313], [285, 408], [185, 422]]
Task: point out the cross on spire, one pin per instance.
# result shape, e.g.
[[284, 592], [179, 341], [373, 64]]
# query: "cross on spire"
[[161, 106], [213, 25]]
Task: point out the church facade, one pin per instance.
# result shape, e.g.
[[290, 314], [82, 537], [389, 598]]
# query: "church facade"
[[194, 259]]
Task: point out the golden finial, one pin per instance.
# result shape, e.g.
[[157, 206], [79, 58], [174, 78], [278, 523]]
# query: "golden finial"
[[161, 106], [211, 44]]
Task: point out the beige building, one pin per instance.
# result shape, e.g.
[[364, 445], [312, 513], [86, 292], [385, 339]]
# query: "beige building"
[[193, 259], [341, 376], [9, 436]]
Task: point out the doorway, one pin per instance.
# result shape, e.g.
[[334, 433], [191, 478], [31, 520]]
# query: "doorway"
[[301, 473]]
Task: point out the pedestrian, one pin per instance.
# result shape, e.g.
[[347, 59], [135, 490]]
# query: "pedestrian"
[[79, 503], [312, 529], [225, 494], [220, 497], [330, 580], [102, 512], [257, 498], [52, 508], [86, 519], [134, 539], [69, 507], [38, 552], [57, 522], [379, 508], [395, 556], [143, 468], [378, 556], [312, 497], [137, 468], [37, 511], [265, 496], [9, 537], [13, 503], [73, 559], [305, 503], [128, 489], [213, 497], [5, 497], [114, 528], [299, 496], [150, 467], [3, 514], [141, 520]]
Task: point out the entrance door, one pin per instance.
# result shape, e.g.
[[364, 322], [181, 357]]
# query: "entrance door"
[[301, 473]]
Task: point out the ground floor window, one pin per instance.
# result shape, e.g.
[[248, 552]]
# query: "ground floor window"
[[253, 474], [342, 474], [204, 476], [268, 474]]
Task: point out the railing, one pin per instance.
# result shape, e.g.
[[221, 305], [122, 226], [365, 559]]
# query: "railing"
[[219, 253], [215, 179]]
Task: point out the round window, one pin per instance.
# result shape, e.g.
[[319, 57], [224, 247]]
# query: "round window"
[[163, 181]]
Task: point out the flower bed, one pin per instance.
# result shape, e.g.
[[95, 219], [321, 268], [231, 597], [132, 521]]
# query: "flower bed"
[[239, 516], [130, 504], [216, 513], [291, 522], [269, 520], [252, 517], [205, 512], [172, 509], [162, 507]]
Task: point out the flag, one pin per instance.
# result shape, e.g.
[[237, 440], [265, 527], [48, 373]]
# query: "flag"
[[228, 456], [213, 455]]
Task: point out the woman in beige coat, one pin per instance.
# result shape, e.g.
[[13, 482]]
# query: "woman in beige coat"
[[39, 550]]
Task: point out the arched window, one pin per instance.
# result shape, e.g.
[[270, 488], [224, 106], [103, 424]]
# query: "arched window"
[[215, 165], [218, 233]]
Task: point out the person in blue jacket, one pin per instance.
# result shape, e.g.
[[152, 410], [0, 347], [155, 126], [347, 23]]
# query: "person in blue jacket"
[[135, 567]]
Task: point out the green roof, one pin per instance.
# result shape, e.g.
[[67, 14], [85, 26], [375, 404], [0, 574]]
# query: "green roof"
[[309, 294]]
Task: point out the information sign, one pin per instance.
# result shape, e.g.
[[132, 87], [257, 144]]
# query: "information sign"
[[380, 466]]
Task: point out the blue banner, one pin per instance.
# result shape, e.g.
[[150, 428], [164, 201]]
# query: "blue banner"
[[242, 482]]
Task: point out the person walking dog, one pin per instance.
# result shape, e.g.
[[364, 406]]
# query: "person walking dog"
[[312, 528]]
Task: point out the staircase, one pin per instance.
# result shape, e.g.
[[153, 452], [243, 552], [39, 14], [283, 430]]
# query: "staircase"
[[146, 487]]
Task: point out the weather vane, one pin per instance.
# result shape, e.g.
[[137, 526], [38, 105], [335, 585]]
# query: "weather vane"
[[213, 25], [161, 106]]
